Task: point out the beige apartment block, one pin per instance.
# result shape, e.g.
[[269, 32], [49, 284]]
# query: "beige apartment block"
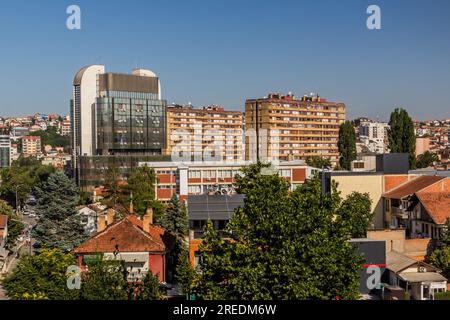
[[205, 132], [286, 128]]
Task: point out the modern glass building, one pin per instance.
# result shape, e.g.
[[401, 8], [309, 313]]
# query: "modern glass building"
[[115, 116]]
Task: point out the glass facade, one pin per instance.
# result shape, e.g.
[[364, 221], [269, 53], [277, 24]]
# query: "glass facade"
[[130, 125]]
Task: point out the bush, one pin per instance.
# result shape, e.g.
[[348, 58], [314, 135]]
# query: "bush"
[[442, 296]]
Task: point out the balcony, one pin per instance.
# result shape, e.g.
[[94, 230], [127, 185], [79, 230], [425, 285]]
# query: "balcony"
[[400, 212]]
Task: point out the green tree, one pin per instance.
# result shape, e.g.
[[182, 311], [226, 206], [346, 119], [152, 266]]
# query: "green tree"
[[113, 186], [318, 162], [184, 274], [175, 219], [285, 245], [356, 214], [15, 226], [347, 145], [52, 137], [59, 225], [104, 280], [427, 159], [108, 280], [42, 276], [440, 258], [445, 235], [141, 186], [401, 135]]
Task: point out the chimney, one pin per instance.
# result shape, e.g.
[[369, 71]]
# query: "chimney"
[[147, 220], [101, 223], [131, 207], [109, 216]]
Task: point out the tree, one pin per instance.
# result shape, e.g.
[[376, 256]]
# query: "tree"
[[318, 162], [184, 274], [427, 159], [401, 135], [347, 145], [175, 219], [52, 137], [113, 186], [445, 235], [108, 280], [356, 214], [15, 226], [440, 258], [59, 224], [104, 280], [285, 245], [42, 276], [141, 187]]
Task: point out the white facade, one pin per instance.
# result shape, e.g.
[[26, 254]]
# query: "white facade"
[[374, 136]]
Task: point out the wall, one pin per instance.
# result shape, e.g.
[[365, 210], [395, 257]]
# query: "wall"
[[395, 239], [370, 183]]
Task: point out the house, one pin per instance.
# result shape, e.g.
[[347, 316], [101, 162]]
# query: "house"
[[398, 200], [142, 246], [3, 238], [418, 278], [420, 205]]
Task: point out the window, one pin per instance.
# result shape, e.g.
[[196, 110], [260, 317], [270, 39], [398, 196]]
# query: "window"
[[195, 174]]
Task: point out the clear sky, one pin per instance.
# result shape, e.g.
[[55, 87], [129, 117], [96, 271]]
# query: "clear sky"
[[224, 51]]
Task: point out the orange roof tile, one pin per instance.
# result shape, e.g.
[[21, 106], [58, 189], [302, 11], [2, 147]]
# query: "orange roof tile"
[[437, 205], [412, 187], [127, 235], [3, 221]]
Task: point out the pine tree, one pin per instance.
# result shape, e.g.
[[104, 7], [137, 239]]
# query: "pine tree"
[[175, 219], [401, 135], [59, 225], [347, 145], [184, 272]]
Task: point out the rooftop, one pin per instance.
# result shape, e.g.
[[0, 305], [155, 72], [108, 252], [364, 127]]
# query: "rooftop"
[[412, 186], [3, 221], [437, 205]]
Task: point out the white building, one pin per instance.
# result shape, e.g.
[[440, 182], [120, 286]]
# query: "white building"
[[374, 136]]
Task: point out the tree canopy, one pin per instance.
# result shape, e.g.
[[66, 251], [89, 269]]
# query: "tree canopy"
[[347, 145], [427, 159], [401, 135], [15, 224], [59, 224], [284, 245], [318, 162]]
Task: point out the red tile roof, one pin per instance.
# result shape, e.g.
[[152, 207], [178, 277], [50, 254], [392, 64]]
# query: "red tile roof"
[[3, 221], [412, 187], [127, 235], [437, 205]]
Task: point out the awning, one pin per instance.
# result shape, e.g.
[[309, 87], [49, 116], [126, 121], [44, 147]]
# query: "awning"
[[412, 277]]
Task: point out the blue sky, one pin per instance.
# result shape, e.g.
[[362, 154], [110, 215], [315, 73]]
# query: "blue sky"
[[224, 51]]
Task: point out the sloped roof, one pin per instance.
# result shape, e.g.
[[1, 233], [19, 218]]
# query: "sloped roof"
[[397, 262], [412, 277], [412, 187], [127, 235], [437, 205]]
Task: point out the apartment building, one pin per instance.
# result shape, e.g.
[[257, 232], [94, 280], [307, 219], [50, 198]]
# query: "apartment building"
[[196, 178], [374, 136], [205, 134], [281, 127], [31, 146]]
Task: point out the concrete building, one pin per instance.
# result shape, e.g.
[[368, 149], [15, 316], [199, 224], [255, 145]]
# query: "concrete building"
[[5, 149], [422, 145], [374, 135], [115, 117], [196, 178], [31, 146], [285, 128], [206, 134]]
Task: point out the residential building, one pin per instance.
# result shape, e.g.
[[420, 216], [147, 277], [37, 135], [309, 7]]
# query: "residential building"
[[5, 148], [142, 246], [31, 146], [406, 206], [115, 118], [422, 145], [206, 134], [19, 132], [65, 127], [281, 127]]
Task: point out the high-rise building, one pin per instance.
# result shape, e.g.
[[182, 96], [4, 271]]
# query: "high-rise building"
[[206, 134], [115, 117], [5, 148], [285, 128], [31, 146], [374, 136]]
